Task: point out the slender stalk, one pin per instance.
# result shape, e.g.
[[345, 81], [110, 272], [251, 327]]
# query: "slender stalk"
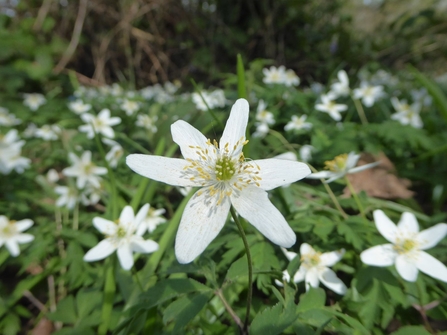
[[137, 279], [109, 295], [241, 91], [250, 268], [76, 217], [334, 199], [355, 196], [230, 311], [360, 111], [422, 311]]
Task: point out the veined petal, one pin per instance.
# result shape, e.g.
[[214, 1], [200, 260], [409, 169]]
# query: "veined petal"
[[428, 238], [331, 281], [306, 249], [385, 226], [352, 159], [142, 213], [236, 124], [100, 251], [408, 223], [406, 267], [278, 172], [380, 255], [330, 258], [311, 278], [125, 256], [144, 247], [127, 216], [166, 170], [289, 254], [429, 265], [252, 204], [363, 167], [202, 220], [188, 138], [106, 227], [335, 176], [23, 225]]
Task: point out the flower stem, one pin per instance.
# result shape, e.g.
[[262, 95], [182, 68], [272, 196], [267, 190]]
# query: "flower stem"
[[250, 268], [422, 310], [109, 295], [234, 316], [355, 196], [334, 198], [360, 111]]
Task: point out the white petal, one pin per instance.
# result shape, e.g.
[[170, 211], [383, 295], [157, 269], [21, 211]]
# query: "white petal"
[[306, 249], [408, 223], [202, 220], [428, 238], [289, 254], [144, 247], [106, 227], [188, 138], [24, 238], [321, 175], [330, 258], [278, 172], [291, 156], [352, 159], [13, 247], [166, 170], [125, 256], [127, 217], [253, 204], [300, 275], [380, 255], [142, 213], [236, 124], [23, 225], [363, 167], [331, 281], [406, 267], [312, 278], [100, 251], [431, 266], [385, 226]]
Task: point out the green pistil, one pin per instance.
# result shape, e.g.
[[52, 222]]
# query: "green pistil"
[[121, 232], [405, 247], [224, 168]]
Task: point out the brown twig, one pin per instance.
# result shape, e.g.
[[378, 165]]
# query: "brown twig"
[[42, 14]]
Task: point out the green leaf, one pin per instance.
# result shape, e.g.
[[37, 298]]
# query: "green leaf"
[[411, 330], [65, 312], [314, 298], [238, 269], [86, 301], [241, 92], [273, 320], [350, 235], [185, 309]]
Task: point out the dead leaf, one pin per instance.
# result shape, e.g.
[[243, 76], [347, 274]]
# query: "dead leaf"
[[44, 327], [380, 181]]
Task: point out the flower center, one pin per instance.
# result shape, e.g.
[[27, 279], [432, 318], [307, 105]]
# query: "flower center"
[[311, 260], [225, 168], [121, 232], [10, 229], [337, 164], [406, 246]]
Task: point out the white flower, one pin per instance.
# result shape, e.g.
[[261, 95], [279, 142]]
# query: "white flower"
[[421, 96], [48, 132], [341, 166], [99, 124], [115, 153], [52, 176], [91, 195], [152, 219], [10, 234], [368, 93], [262, 115], [341, 88], [130, 107], [262, 129], [84, 170], [406, 114], [10, 153], [406, 248], [147, 122], [213, 99], [306, 152], [315, 268], [79, 107], [329, 106], [226, 179], [34, 100], [298, 123], [291, 79], [274, 75], [7, 119], [121, 237], [67, 196]]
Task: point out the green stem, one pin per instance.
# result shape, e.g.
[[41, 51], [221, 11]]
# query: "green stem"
[[131, 142], [206, 104], [334, 199], [422, 310], [355, 196], [76, 216], [250, 268], [360, 111], [109, 295], [241, 91], [230, 311]]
